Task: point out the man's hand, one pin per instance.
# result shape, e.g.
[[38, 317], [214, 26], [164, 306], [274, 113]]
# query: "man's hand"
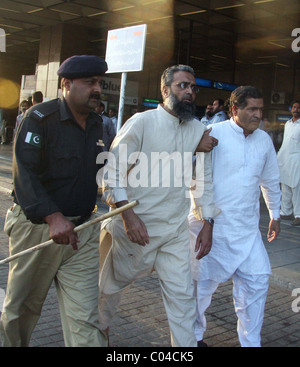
[[274, 230], [62, 230], [207, 142], [135, 228], [204, 241]]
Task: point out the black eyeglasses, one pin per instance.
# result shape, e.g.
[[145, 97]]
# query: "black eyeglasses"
[[186, 85]]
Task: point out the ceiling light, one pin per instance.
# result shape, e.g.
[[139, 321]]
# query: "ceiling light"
[[262, 1], [152, 2], [10, 26], [221, 57], [13, 11], [35, 10], [276, 44], [198, 58], [193, 12], [166, 17], [136, 22], [230, 6], [95, 14], [124, 8], [278, 63]]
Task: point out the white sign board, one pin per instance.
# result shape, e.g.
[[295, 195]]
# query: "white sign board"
[[125, 49]]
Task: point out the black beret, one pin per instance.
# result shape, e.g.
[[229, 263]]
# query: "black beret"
[[82, 66]]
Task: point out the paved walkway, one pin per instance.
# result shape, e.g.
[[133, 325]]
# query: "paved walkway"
[[142, 322]]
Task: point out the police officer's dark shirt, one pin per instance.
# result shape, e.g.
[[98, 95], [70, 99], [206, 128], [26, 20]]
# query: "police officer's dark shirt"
[[54, 165]]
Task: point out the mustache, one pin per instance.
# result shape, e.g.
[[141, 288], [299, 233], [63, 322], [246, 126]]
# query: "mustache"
[[95, 96]]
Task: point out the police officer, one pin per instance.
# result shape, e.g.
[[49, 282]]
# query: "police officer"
[[218, 114], [54, 171]]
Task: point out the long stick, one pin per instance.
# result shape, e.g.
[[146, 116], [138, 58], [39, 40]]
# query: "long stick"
[[76, 229]]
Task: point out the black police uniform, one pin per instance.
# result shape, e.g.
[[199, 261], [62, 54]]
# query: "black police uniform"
[[54, 164], [55, 169]]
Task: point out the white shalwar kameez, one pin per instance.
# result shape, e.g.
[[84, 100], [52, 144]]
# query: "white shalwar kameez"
[[289, 165], [163, 207], [240, 166]]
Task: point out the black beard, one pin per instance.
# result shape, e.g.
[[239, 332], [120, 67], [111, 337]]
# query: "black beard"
[[185, 111]]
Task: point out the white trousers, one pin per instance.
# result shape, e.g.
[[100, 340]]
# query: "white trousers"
[[171, 260], [249, 295], [290, 200]]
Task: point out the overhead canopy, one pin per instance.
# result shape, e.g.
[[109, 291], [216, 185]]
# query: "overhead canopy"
[[211, 35]]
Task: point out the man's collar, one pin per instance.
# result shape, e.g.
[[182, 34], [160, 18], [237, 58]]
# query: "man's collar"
[[65, 112]]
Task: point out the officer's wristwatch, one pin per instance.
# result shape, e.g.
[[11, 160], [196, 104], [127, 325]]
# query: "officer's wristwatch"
[[276, 219], [209, 220]]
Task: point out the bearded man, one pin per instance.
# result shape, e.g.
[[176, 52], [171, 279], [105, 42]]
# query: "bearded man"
[[155, 234]]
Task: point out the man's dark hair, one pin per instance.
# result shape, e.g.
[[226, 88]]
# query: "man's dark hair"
[[240, 95], [24, 101], [295, 101], [37, 97], [220, 101]]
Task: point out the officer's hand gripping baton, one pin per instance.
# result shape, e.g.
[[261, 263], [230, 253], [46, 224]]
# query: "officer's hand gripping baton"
[[76, 229]]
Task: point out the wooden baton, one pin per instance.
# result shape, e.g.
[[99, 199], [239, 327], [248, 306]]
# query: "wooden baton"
[[76, 229]]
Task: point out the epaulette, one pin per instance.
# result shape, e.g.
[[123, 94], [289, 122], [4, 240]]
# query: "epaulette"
[[42, 110]]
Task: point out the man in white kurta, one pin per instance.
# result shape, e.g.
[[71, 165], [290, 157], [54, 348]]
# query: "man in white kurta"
[[289, 165], [243, 161], [161, 241]]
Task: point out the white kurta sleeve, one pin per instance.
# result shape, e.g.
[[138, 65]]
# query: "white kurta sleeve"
[[202, 189], [270, 183], [114, 177]]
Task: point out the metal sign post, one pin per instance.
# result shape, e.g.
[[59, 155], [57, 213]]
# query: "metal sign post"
[[125, 51], [121, 100]]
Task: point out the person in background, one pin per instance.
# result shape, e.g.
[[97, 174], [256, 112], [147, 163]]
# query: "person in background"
[[289, 164], [208, 114], [218, 112], [37, 97], [109, 132], [112, 114], [24, 105]]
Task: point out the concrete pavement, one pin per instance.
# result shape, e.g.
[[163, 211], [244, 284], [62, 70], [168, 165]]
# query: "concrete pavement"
[[142, 322]]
